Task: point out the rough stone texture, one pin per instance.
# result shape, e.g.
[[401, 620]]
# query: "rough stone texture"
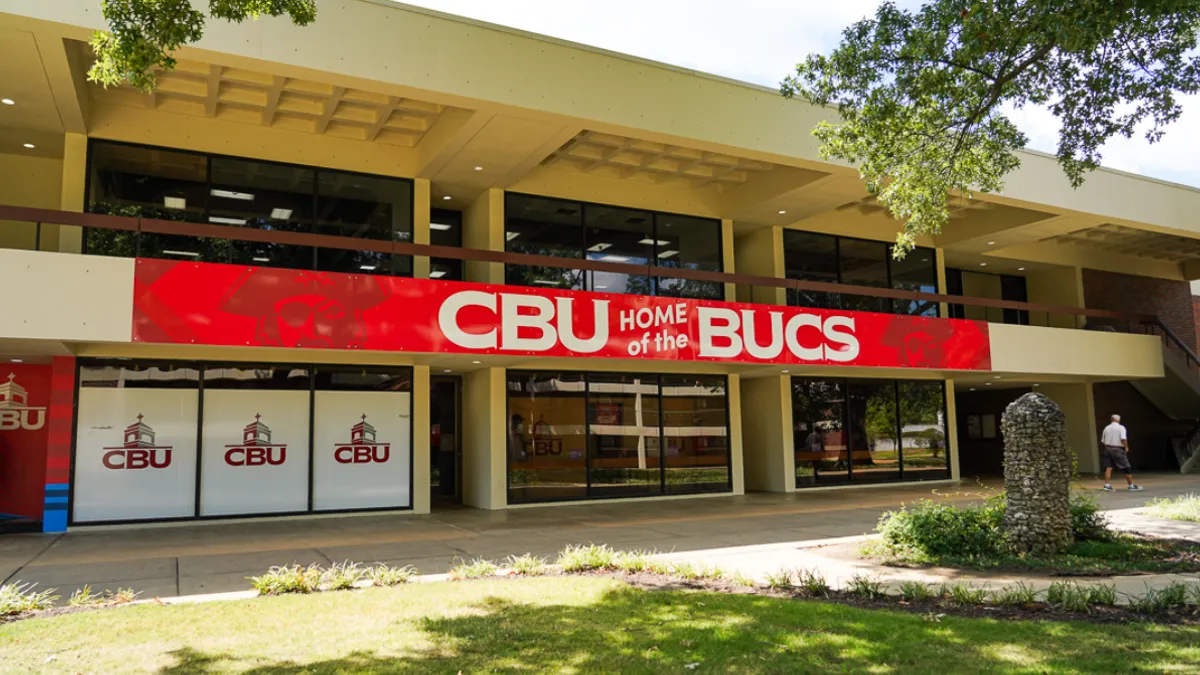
[[1037, 475]]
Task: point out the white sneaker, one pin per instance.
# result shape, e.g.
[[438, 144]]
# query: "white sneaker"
[[1135, 488], [1107, 488]]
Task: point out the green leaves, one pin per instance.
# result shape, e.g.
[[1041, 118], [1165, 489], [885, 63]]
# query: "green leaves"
[[920, 94], [144, 33]]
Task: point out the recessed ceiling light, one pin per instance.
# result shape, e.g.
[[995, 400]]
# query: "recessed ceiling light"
[[366, 268], [446, 198], [648, 240], [1036, 384], [991, 243], [983, 264], [259, 259], [479, 168], [545, 282], [477, 362], [281, 214], [221, 220], [437, 274], [447, 371], [614, 258], [782, 211], [997, 377], [667, 254], [785, 372], [1020, 269], [230, 194], [987, 384], [30, 145], [440, 227], [599, 286], [175, 202], [509, 236], [22, 360], [596, 248], [972, 388], [190, 254], [7, 101]]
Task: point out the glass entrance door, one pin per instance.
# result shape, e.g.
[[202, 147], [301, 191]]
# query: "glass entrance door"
[[445, 446]]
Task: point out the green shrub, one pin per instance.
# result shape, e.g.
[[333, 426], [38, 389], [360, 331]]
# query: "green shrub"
[[16, 598], [1018, 595], [812, 583], [1069, 596], [943, 529], [585, 558], [84, 597], [865, 587], [288, 579], [341, 576], [965, 594], [632, 562], [527, 565], [473, 569], [386, 575], [780, 581], [1087, 522], [1158, 601], [915, 591]]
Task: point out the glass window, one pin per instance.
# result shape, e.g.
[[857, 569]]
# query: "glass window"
[[688, 243], [542, 226], [547, 450], [619, 236], [916, 272], [811, 257], [135, 443], [363, 207], [864, 263], [445, 229], [923, 430], [818, 414], [623, 435], [133, 181], [874, 450], [695, 435], [263, 196]]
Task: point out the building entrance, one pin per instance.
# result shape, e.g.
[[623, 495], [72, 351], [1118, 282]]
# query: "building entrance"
[[445, 443]]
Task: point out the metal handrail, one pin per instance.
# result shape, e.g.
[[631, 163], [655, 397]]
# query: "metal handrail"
[[1189, 354], [151, 225]]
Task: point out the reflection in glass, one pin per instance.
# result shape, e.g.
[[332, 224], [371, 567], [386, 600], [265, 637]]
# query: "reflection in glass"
[[547, 451], [819, 434], [363, 207], [864, 263], [619, 236], [874, 450], [623, 435], [916, 272], [811, 257], [923, 430], [543, 226], [684, 242], [243, 376], [263, 196], [445, 229], [695, 435], [138, 376]]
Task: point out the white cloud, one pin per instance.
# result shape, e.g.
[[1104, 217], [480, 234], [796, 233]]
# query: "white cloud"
[[760, 41]]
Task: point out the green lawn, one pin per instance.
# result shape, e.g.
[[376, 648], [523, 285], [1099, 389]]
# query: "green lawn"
[[571, 625], [1184, 507], [1123, 555]]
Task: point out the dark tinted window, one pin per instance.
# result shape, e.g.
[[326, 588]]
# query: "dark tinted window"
[[818, 415], [445, 229], [364, 207], [542, 226], [917, 271], [688, 243], [619, 236], [811, 257]]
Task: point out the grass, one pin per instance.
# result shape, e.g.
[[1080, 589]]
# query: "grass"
[[1185, 507], [571, 625], [16, 598], [1123, 555]]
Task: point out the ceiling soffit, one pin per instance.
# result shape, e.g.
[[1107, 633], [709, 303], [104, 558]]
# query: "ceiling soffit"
[[1132, 241]]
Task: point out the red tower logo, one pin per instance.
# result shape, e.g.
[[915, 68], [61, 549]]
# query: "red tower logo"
[[362, 448], [138, 450], [256, 448], [15, 411]]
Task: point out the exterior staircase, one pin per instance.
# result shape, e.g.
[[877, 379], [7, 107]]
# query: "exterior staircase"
[[1177, 394]]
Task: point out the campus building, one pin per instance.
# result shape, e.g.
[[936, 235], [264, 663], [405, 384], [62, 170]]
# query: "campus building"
[[402, 261]]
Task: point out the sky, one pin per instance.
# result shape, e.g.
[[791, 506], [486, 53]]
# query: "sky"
[[760, 41]]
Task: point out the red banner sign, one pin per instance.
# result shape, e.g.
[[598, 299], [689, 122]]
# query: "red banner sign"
[[211, 304]]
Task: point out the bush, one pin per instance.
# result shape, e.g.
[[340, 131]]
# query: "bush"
[[288, 579], [865, 587], [341, 576], [527, 565], [942, 529], [812, 583], [586, 558], [936, 529], [474, 569], [915, 591], [386, 575], [1018, 595]]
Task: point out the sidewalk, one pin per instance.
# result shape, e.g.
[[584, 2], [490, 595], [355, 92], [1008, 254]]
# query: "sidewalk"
[[756, 533]]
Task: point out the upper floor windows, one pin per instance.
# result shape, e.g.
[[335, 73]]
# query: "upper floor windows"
[[860, 262], [148, 182], [568, 229]]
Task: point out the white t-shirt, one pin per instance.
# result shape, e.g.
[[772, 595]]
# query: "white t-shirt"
[[1113, 435]]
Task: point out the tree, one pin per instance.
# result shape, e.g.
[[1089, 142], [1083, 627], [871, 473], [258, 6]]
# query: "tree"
[[143, 34], [921, 94]]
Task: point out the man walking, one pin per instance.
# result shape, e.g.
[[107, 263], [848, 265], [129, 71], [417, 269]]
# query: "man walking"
[[1114, 449]]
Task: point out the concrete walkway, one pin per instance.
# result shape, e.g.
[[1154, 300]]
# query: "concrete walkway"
[[195, 558]]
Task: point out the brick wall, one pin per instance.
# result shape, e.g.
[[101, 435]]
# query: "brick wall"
[[1169, 300], [1150, 431], [1196, 316]]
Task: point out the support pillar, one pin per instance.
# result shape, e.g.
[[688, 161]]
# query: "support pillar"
[[68, 238], [1079, 405], [761, 253], [483, 228], [420, 268], [728, 262], [420, 436], [951, 423], [485, 456], [769, 458], [736, 449]]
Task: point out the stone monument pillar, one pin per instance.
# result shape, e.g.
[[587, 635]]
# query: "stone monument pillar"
[[1037, 475]]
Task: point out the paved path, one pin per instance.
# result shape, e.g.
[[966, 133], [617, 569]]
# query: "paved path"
[[195, 558]]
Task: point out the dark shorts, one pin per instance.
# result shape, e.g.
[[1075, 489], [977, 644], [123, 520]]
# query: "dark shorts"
[[1115, 458]]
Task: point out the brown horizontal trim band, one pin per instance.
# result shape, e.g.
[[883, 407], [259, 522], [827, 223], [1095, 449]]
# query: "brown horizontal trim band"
[[20, 213]]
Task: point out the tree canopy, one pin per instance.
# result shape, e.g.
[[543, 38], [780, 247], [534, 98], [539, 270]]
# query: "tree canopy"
[[143, 34], [921, 94]]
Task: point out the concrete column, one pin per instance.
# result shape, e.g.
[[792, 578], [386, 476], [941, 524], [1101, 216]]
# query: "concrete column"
[[1061, 286], [737, 466], [74, 180], [951, 422], [940, 257], [1078, 404], [761, 253], [420, 225], [768, 454], [485, 459], [483, 228], [420, 449], [728, 261]]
